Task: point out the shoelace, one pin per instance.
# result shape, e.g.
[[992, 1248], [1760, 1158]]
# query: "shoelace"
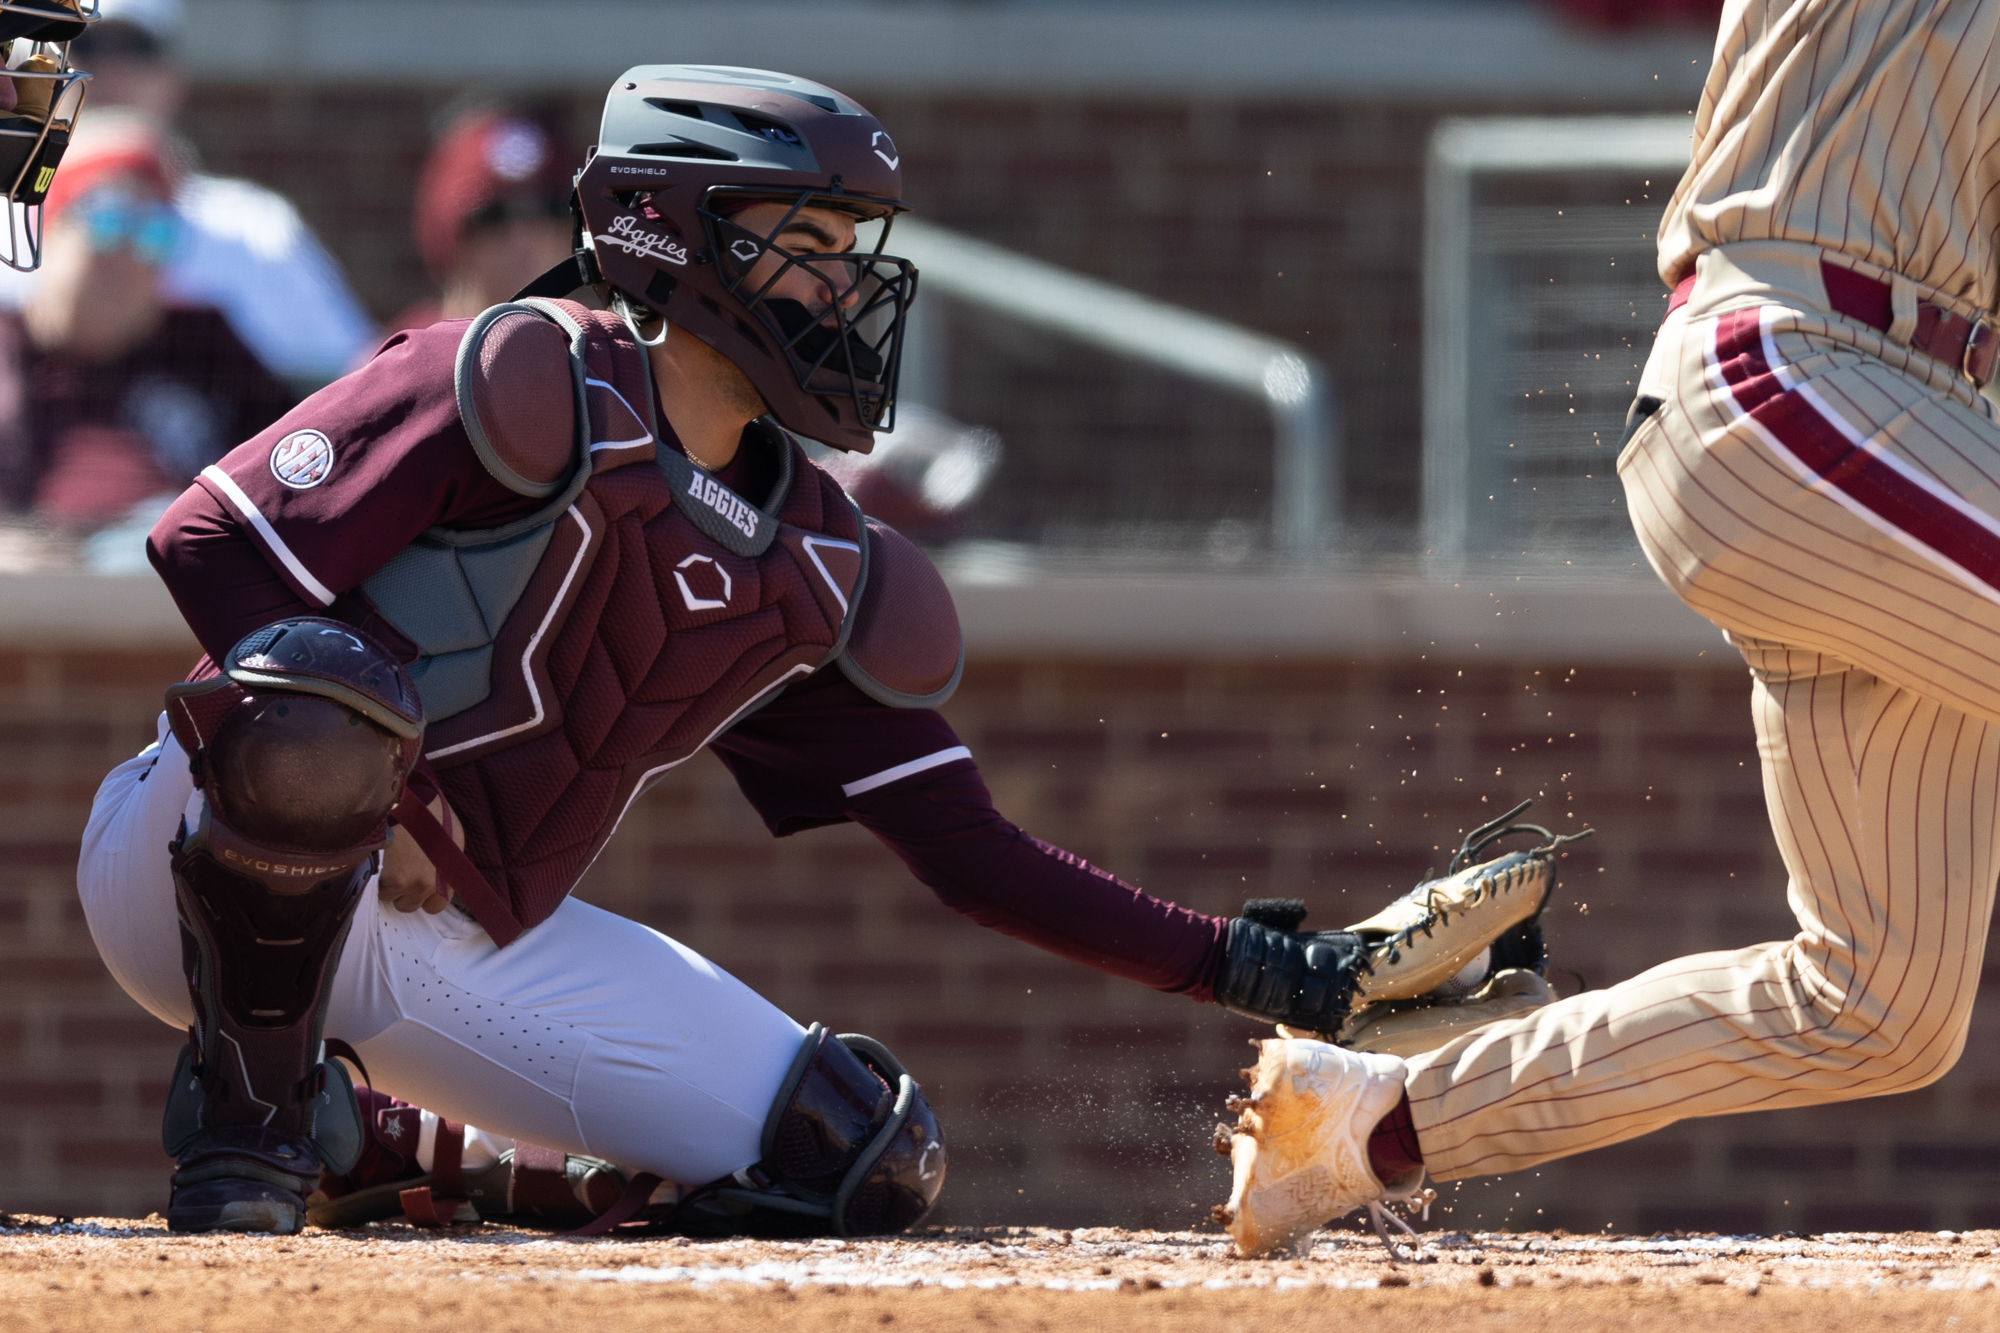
[[1382, 1217]]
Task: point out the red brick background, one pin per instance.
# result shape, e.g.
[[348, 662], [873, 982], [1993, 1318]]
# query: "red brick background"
[[1070, 1098]]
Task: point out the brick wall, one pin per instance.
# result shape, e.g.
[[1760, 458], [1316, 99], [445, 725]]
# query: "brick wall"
[[1301, 219], [1070, 1098]]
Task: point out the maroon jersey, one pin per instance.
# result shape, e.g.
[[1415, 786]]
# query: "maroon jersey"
[[641, 670]]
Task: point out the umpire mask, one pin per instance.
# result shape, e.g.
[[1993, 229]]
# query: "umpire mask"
[[47, 95]]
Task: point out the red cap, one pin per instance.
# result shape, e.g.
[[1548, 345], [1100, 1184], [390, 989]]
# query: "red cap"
[[485, 158], [110, 143]]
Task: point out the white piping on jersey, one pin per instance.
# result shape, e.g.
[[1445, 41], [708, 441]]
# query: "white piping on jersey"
[[528, 653], [809, 543], [639, 787], [255, 518], [646, 438], [900, 771]]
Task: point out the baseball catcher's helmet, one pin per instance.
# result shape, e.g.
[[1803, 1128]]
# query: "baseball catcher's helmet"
[[48, 92], [682, 148]]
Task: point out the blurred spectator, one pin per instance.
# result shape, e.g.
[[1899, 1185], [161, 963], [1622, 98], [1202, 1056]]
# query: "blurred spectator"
[[113, 395], [244, 250], [492, 211]]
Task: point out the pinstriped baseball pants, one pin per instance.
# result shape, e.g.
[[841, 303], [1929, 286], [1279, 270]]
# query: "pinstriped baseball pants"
[[1831, 500]]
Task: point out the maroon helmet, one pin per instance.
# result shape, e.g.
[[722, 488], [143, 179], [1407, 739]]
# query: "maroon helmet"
[[681, 150]]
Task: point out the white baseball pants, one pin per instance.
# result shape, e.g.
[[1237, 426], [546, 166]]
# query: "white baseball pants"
[[1832, 500], [589, 1033]]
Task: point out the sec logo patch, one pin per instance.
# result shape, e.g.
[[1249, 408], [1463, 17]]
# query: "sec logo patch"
[[302, 459]]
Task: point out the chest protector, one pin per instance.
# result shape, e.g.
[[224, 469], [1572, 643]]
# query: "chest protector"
[[568, 659]]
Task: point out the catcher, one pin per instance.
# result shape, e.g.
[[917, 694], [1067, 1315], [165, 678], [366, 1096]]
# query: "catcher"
[[463, 605]]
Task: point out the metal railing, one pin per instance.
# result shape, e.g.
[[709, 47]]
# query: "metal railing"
[[1305, 506], [1460, 151]]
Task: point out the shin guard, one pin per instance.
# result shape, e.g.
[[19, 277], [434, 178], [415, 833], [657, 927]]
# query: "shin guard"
[[256, 1111], [301, 748]]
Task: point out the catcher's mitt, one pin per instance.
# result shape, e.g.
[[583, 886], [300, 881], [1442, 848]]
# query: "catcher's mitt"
[[1425, 939], [1443, 941], [1457, 953]]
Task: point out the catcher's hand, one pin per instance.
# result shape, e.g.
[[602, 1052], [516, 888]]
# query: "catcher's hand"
[[408, 880]]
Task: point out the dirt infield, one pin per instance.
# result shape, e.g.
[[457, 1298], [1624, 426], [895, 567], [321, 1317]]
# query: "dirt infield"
[[112, 1274]]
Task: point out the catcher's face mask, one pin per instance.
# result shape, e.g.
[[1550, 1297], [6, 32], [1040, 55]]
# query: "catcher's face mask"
[[46, 95], [835, 311]]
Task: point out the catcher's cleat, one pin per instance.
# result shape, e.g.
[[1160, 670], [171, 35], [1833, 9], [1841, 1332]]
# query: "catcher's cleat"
[[1410, 1027], [1428, 938], [242, 1178], [1300, 1144]]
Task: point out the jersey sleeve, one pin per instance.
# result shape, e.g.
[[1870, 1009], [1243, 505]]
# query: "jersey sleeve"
[[339, 484], [803, 758], [825, 753], [225, 587]]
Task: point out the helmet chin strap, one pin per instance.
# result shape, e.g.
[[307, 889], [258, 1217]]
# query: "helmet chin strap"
[[623, 306]]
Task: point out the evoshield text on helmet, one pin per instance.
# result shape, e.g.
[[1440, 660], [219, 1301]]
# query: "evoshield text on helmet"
[[683, 151], [48, 92]]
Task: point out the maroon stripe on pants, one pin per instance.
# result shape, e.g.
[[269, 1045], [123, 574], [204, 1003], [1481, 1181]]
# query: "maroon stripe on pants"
[[1804, 432]]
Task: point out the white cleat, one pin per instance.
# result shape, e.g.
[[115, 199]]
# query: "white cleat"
[[1300, 1144]]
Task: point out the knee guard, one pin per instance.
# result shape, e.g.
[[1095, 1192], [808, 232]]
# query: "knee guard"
[[850, 1148], [301, 748]]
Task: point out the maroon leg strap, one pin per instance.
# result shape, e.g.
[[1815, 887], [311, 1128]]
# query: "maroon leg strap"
[[436, 1204], [456, 873], [541, 1182], [338, 1048], [618, 1214]]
